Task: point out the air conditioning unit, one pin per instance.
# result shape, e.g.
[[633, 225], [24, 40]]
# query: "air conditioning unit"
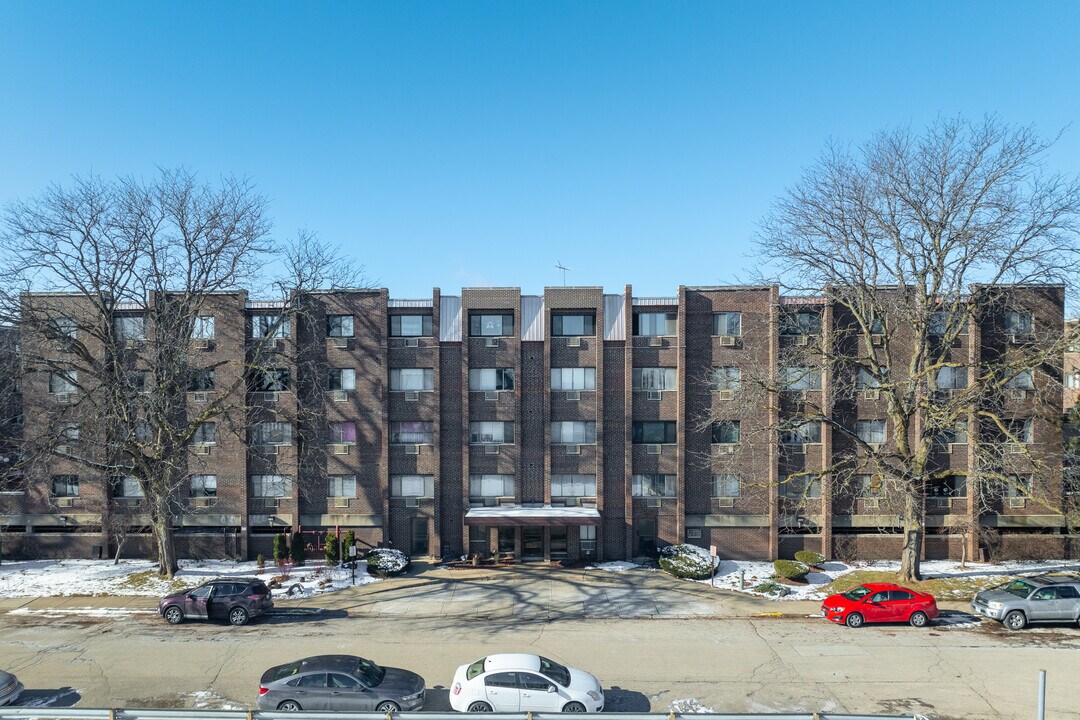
[[870, 503], [412, 502], [412, 396], [270, 503], [693, 534], [1014, 339], [491, 395], [802, 340], [412, 449], [727, 341], [725, 449], [573, 449], [491, 342], [200, 449], [1016, 394], [203, 502], [341, 502], [342, 343], [957, 448], [63, 449], [200, 397], [939, 502], [341, 395], [65, 502], [877, 340], [872, 394], [129, 502], [654, 449], [570, 502], [654, 395], [268, 449], [508, 501], [63, 398], [200, 344], [573, 342], [492, 449], [339, 449], [725, 395], [1014, 448], [1017, 502], [412, 342], [656, 342], [653, 502], [725, 502], [573, 394]]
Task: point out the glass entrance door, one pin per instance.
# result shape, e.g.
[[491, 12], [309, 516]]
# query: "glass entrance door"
[[419, 536], [532, 543]]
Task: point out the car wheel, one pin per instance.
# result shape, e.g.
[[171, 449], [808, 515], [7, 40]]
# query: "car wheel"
[[238, 616], [1015, 620], [854, 620], [479, 707], [173, 615], [387, 707], [289, 706], [919, 619], [573, 707]]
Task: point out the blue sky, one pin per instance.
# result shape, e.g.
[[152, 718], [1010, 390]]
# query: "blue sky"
[[477, 143]]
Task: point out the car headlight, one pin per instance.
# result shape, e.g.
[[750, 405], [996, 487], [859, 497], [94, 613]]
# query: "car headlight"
[[413, 696], [595, 695], [993, 604], [834, 609]]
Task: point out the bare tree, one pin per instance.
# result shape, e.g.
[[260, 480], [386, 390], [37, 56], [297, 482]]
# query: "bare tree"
[[890, 258]]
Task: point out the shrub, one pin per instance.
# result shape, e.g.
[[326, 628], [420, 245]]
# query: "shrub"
[[281, 548], [770, 588], [260, 563], [791, 569], [296, 549], [687, 561], [386, 562], [350, 541], [809, 557], [331, 552]]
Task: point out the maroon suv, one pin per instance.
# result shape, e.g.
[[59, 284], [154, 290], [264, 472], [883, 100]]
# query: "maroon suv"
[[234, 599]]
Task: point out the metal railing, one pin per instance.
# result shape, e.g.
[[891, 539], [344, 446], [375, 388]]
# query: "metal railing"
[[45, 713]]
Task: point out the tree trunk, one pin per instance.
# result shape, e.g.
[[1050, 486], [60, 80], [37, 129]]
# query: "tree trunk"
[[166, 544], [911, 554], [119, 549]]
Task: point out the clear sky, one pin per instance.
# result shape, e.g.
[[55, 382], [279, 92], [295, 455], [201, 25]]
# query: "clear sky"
[[477, 143]]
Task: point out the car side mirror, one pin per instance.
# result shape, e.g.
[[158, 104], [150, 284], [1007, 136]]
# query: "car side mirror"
[[551, 688]]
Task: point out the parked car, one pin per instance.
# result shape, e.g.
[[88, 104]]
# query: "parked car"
[[339, 683], [880, 602], [10, 688], [519, 682], [234, 599], [1030, 600]]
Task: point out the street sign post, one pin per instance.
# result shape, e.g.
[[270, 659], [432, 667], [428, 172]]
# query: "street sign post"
[[712, 554]]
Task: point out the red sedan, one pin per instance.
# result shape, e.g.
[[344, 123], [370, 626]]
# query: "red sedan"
[[880, 602]]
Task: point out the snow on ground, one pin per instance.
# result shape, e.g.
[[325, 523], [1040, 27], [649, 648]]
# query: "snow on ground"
[[208, 699], [84, 611], [617, 566], [688, 706]]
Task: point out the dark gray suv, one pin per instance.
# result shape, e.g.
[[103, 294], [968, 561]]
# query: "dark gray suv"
[[234, 599], [1020, 602]]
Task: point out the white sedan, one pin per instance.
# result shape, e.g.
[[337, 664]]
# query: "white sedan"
[[519, 682]]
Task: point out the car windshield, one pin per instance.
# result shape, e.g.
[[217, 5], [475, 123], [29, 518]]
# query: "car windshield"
[[857, 593], [286, 670], [475, 669], [369, 672], [1019, 588], [555, 671]]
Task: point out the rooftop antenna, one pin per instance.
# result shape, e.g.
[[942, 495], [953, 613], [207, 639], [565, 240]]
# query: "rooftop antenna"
[[559, 265]]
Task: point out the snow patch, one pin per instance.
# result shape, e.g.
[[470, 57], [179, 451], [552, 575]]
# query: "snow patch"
[[202, 699], [616, 566], [688, 706]]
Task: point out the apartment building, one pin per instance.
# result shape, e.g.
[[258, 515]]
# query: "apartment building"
[[566, 425]]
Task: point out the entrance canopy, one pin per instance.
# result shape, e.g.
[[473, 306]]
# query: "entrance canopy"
[[516, 515]]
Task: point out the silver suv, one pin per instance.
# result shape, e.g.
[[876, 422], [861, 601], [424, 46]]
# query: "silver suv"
[[1030, 600]]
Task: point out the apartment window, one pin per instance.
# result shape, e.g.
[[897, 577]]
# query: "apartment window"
[[1018, 322], [1017, 486], [127, 486], [65, 485], [727, 323], [341, 486], [339, 325], [341, 379], [655, 324], [950, 486], [956, 435], [580, 378], [62, 327], [869, 486], [410, 326], [201, 380], [343, 433], [271, 486], [422, 486], [587, 535], [1020, 381], [491, 486], [725, 378], [807, 432], [204, 486], [64, 382], [491, 379], [481, 325], [573, 325], [130, 327], [1022, 430], [412, 433], [654, 379], [486, 433], [136, 380], [801, 378], [726, 486], [203, 328], [725, 432], [800, 323], [942, 323], [871, 432], [67, 432], [205, 434], [573, 432], [478, 536], [1072, 380], [269, 326], [270, 380], [271, 433], [801, 486], [865, 378], [653, 485], [952, 378], [654, 432], [573, 486], [412, 379]]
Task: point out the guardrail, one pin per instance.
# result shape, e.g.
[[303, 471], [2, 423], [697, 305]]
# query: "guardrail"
[[44, 713]]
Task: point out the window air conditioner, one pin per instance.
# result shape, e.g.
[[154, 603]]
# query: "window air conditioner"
[[200, 397], [802, 340], [491, 395], [200, 344], [1017, 502], [412, 342], [1014, 448], [203, 502], [656, 341], [877, 340], [200, 449], [341, 395], [653, 502], [655, 395], [693, 534], [268, 449], [725, 395], [412, 396], [508, 501], [412, 502], [341, 502], [939, 502], [871, 394], [63, 398], [573, 394], [65, 502], [725, 502], [573, 342], [492, 449], [727, 341], [491, 342], [340, 449], [63, 449], [270, 503], [341, 343], [573, 449], [570, 501], [654, 449], [725, 449], [1016, 394], [412, 449], [870, 503]]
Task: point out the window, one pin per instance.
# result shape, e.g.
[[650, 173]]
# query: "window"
[[583, 378], [653, 485], [865, 378], [127, 487], [503, 680], [481, 325], [1018, 486], [269, 326], [65, 485], [491, 486], [402, 379], [412, 433], [1021, 430], [204, 486], [727, 323], [67, 432], [271, 486], [726, 486], [1072, 380], [136, 380], [412, 486], [201, 380], [944, 323], [343, 433], [491, 379], [1018, 322], [341, 486], [654, 433], [952, 378], [339, 325], [341, 379], [871, 432], [271, 433], [573, 432], [270, 380], [205, 434], [1020, 381], [573, 325], [725, 378], [807, 432], [951, 486], [957, 434], [64, 382], [800, 378], [142, 430], [61, 327], [725, 432], [130, 327], [573, 486], [655, 324], [801, 486], [410, 326], [486, 433], [529, 681], [800, 323], [869, 486], [338, 680], [654, 379], [203, 328], [587, 535]]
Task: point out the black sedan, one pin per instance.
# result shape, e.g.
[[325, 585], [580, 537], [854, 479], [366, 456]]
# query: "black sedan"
[[340, 683]]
